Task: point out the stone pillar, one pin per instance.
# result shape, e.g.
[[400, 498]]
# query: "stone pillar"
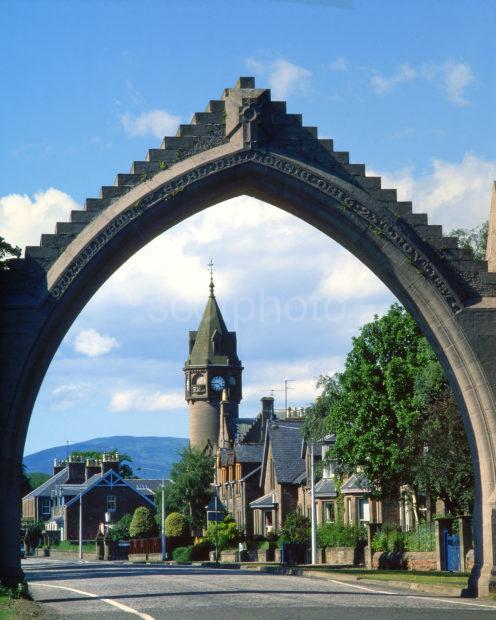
[[466, 543], [491, 237], [369, 552]]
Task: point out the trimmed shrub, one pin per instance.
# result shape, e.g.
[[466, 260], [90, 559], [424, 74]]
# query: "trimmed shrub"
[[227, 533], [142, 524], [338, 535], [182, 554], [175, 524], [296, 529], [120, 530]]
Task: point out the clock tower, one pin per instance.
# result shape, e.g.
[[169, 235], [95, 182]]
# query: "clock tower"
[[212, 373]]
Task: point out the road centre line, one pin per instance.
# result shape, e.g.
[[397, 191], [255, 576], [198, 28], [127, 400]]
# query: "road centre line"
[[120, 606]]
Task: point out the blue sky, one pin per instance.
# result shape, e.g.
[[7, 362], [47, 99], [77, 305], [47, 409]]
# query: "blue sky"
[[407, 88]]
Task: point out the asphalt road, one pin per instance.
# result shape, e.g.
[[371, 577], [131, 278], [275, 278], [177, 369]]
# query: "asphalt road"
[[115, 591]]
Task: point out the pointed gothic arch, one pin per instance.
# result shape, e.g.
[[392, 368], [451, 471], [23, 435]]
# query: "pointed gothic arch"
[[245, 143]]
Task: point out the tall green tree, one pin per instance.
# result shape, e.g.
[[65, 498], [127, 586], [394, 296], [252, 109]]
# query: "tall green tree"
[[473, 238], [385, 406], [26, 486], [37, 478], [7, 251], [190, 490], [444, 466]]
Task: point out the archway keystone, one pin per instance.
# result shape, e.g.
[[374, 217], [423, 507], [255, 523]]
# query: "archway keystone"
[[245, 143]]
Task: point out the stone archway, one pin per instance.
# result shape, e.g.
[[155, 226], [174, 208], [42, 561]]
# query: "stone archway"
[[247, 144]]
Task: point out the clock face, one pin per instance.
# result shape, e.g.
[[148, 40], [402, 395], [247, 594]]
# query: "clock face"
[[218, 383], [232, 380]]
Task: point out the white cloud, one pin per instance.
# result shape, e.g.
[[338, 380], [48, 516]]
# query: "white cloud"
[[347, 278], [89, 342], [455, 194], [453, 78], [284, 77], [383, 85], [65, 396], [23, 219], [140, 400], [157, 123], [268, 375]]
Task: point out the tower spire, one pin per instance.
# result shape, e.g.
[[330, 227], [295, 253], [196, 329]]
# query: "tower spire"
[[211, 285]]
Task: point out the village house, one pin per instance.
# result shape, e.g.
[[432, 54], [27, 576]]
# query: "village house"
[[262, 463], [95, 486]]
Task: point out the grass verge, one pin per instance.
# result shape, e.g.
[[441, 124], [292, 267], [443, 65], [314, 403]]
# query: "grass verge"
[[14, 603], [455, 580]]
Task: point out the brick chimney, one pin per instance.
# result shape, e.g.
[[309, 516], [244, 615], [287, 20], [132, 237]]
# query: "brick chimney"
[[58, 465], [76, 470], [91, 468], [110, 461]]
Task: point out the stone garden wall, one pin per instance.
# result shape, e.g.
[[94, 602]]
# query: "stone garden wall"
[[409, 560]]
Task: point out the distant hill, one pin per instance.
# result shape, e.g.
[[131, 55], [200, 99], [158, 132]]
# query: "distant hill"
[[147, 452]]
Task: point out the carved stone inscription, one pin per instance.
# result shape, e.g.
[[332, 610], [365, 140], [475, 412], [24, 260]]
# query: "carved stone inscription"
[[358, 212]]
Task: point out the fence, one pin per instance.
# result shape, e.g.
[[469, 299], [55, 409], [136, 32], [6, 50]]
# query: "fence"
[[390, 538], [144, 546]]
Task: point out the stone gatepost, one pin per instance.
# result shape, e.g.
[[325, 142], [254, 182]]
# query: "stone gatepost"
[[466, 541], [369, 552]]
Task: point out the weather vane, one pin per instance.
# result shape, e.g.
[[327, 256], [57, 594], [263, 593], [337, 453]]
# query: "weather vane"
[[211, 269]]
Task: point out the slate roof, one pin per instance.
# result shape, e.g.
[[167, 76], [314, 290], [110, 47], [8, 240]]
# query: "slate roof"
[[266, 501], [240, 427], [357, 483], [301, 479], [45, 489], [212, 323], [249, 453], [325, 488], [226, 456], [285, 441], [143, 485]]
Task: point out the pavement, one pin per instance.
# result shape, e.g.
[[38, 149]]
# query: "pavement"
[[113, 590]]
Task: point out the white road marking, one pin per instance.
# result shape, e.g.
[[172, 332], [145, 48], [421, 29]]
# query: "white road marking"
[[423, 598], [120, 606]]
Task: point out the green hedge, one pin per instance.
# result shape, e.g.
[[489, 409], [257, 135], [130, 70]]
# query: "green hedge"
[[391, 539], [67, 545], [182, 554], [192, 553], [337, 535]]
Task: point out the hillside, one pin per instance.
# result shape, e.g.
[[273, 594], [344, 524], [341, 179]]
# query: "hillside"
[[147, 452]]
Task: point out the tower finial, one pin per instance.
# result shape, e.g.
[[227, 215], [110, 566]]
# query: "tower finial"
[[211, 269]]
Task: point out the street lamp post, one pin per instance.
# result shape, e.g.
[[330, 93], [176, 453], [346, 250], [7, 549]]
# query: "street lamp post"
[[314, 516], [81, 526], [164, 549]]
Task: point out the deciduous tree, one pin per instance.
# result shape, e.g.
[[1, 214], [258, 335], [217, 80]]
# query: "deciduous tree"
[[389, 409], [190, 490]]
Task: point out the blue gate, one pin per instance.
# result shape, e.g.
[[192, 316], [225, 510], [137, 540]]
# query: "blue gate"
[[451, 551]]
